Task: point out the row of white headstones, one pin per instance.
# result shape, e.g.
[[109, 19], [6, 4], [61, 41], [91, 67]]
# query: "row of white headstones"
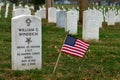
[[41, 13], [26, 31], [63, 17], [92, 20], [110, 11]]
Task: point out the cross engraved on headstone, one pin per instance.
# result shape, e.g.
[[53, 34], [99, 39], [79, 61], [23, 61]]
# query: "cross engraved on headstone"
[[28, 40], [28, 21]]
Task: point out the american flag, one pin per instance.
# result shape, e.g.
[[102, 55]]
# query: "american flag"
[[74, 47]]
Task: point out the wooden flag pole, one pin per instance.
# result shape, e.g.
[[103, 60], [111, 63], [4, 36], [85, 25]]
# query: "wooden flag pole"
[[57, 62], [59, 56]]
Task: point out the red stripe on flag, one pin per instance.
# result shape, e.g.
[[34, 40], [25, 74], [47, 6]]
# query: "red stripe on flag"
[[72, 53], [74, 48], [71, 50], [79, 46], [84, 44]]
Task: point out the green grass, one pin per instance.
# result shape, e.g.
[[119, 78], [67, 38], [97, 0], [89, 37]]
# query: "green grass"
[[101, 62]]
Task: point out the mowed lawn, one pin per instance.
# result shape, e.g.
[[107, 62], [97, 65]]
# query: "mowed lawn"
[[101, 62]]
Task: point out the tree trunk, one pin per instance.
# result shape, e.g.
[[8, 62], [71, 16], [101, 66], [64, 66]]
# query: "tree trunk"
[[49, 3], [82, 6], [36, 7]]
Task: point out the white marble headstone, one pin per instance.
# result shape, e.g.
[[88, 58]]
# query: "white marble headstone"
[[61, 19], [117, 19], [26, 6], [111, 17], [99, 17], [21, 11], [26, 43], [71, 22], [90, 30], [52, 15], [0, 11], [41, 13], [13, 6], [7, 10]]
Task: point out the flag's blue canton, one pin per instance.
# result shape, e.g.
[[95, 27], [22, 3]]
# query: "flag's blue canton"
[[70, 41]]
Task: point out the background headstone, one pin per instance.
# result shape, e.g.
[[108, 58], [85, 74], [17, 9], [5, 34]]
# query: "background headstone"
[[90, 30], [41, 13], [117, 19], [111, 17], [7, 10], [71, 22], [52, 15], [61, 19], [21, 11]]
